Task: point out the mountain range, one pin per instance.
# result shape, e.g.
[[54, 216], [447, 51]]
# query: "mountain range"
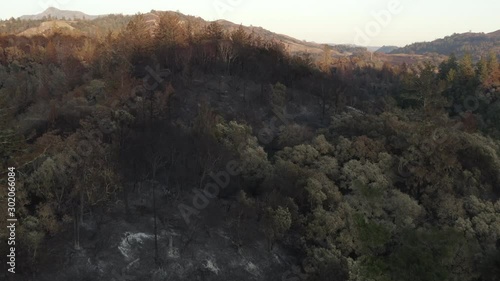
[[55, 13], [386, 49], [478, 44]]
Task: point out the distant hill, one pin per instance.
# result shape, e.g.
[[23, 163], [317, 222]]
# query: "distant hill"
[[51, 18], [101, 25], [372, 48], [46, 28], [386, 49], [55, 13], [352, 48], [477, 44], [293, 45]]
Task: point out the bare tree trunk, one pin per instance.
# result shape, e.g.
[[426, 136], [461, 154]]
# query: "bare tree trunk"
[[125, 186], [76, 229], [245, 90], [125, 200], [323, 103], [238, 225], [151, 111], [154, 215], [170, 245], [81, 207], [155, 224]]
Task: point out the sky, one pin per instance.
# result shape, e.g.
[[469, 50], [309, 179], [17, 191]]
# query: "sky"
[[361, 22]]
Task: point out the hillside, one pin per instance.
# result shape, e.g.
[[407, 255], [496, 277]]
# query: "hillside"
[[386, 49], [47, 28], [295, 45], [477, 44], [99, 26]]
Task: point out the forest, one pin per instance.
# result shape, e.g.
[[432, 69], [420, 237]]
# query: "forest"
[[475, 44], [335, 168]]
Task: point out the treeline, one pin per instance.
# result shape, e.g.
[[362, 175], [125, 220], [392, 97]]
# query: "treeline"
[[476, 44], [98, 27]]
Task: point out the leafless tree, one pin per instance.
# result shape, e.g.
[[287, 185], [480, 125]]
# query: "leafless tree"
[[227, 54]]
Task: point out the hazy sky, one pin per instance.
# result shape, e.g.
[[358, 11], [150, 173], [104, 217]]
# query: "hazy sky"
[[399, 22]]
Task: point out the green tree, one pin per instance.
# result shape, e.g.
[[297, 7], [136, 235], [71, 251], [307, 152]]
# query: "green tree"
[[426, 255], [277, 221], [278, 97]]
